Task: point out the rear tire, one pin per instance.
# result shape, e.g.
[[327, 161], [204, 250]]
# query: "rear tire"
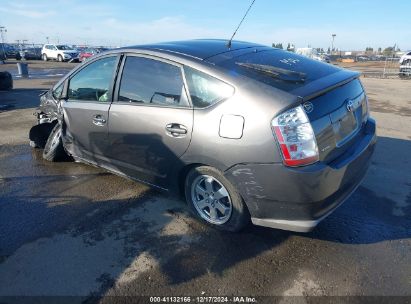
[[214, 200], [54, 150]]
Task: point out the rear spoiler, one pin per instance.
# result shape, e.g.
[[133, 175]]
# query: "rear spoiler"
[[323, 85]]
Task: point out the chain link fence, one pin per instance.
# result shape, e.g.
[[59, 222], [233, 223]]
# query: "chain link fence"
[[391, 67]]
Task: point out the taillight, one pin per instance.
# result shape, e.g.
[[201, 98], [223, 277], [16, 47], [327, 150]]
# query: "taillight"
[[296, 138]]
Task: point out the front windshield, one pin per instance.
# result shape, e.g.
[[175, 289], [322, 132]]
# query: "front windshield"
[[64, 48]]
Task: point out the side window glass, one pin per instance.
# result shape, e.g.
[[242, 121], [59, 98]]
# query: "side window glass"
[[206, 90], [57, 91], [93, 82], [152, 82]]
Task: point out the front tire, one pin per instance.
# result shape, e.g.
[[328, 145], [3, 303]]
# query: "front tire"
[[54, 150], [60, 58], [214, 200], [44, 57], [39, 134]]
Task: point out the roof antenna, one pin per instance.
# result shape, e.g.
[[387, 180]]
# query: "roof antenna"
[[235, 32]]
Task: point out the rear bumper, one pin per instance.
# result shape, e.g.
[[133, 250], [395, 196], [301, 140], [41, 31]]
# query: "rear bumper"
[[297, 199]]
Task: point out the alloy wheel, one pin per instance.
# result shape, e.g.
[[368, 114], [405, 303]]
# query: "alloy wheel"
[[211, 200]]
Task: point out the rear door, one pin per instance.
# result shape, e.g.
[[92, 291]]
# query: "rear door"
[[86, 109], [151, 119]]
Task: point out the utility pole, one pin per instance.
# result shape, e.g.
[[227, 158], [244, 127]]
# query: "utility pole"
[[332, 44], [47, 38]]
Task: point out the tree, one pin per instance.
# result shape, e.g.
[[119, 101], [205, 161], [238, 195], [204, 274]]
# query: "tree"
[[379, 50], [329, 51], [389, 51]]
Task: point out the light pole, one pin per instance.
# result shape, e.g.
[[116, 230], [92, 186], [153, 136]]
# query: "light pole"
[[47, 38], [332, 44]]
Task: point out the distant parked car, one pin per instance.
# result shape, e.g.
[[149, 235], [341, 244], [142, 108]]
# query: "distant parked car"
[[31, 54], [363, 58], [9, 51], [326, 58], [407, 56], [2, 55], [405, 66], [90, 52], [58, 52]]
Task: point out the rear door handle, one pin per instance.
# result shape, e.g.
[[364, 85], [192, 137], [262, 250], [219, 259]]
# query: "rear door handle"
[[99, 120], [176, 129]]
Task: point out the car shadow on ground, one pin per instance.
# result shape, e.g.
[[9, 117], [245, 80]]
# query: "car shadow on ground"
[[380, 209], [109, 246]]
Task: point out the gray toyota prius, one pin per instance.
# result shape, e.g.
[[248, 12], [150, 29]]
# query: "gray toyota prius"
[[244, 131]]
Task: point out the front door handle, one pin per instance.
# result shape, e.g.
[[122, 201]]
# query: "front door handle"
[[99, 120], [176, 130]]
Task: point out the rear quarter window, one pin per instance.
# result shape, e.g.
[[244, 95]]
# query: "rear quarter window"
[[206, 90]]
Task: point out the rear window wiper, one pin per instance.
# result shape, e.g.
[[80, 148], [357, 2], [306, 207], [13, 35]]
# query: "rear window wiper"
[[279, 73]]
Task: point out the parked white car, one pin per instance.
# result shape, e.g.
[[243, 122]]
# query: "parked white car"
[[58, 52], [407, 56]]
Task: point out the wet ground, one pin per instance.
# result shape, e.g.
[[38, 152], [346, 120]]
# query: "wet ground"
[[38, 69], [72, 229]]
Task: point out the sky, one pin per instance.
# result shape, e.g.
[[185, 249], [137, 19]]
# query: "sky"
[[357, 24]]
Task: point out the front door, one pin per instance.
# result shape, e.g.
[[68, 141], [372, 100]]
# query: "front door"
[[87, 107], [150, 120]]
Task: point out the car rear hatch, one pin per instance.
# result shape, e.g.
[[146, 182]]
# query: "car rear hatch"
[[337, 116], [333, 98]]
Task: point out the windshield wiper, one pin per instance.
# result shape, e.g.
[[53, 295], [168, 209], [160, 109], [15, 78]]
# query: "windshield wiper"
[[275, 72]]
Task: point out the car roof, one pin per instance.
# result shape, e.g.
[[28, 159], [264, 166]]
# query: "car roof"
[[200, 48]]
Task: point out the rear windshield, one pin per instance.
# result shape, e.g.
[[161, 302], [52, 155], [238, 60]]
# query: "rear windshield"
[[284, 70]]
